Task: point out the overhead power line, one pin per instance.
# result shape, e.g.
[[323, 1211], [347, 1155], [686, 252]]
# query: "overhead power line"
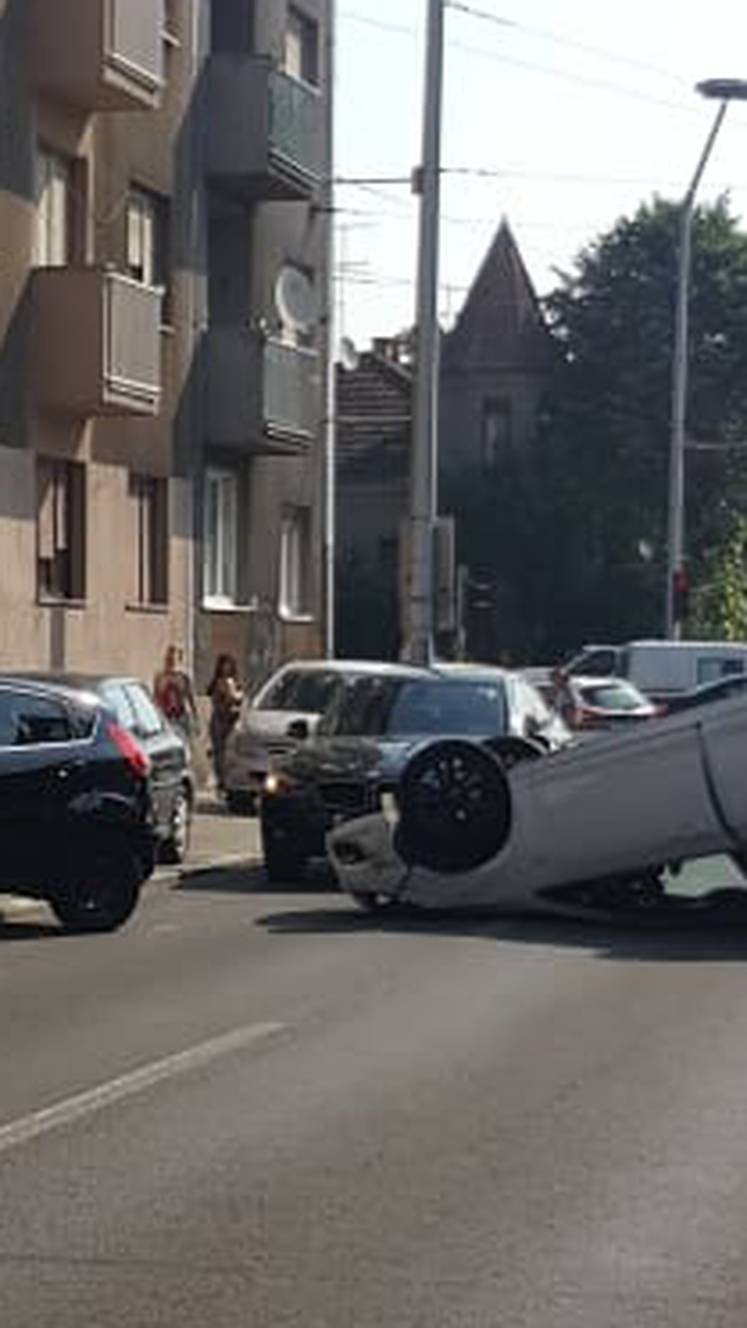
[[544, 34]]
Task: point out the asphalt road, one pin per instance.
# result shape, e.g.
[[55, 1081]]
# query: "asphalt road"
[[266, 1109]]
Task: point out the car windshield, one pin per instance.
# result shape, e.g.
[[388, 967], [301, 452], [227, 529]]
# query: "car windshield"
[[308, 691], [612, 696], [402, 708]]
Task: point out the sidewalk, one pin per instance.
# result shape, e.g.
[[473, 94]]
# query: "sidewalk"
[[218, 840]]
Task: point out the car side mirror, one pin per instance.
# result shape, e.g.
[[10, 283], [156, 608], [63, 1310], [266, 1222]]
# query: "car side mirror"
[[298, 729]]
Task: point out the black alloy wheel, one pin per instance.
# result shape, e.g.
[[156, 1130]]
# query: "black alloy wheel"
[[102, 896], [456, 807]]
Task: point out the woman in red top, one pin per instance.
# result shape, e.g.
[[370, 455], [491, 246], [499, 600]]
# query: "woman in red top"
[[174, 694]]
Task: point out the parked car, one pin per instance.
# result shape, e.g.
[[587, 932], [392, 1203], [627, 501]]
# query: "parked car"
[[594, 704], [661, 668], [365, 737], [172, 778], [735, 685], [291, 701], [587, 830], [76, 822]]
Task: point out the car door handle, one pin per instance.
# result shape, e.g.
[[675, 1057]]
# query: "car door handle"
[[63, 772]]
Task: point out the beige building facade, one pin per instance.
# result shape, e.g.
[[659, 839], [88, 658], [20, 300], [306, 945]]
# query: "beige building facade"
[[163, 250]]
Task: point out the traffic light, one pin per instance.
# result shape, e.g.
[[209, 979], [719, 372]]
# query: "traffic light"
[[681, 582]]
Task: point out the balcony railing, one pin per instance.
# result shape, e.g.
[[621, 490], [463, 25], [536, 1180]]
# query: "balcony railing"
[[265, 129], [263, 395], [97, 343], [100, 55]]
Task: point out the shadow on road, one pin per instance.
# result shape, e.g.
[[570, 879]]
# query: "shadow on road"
[[684, 939], [252, 879], [18, 930]]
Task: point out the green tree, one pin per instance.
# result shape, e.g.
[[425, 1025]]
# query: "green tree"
[[602, 458], [719, 607]]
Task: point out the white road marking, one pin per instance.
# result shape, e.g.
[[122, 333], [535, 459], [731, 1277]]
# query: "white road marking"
[[76, 1108]]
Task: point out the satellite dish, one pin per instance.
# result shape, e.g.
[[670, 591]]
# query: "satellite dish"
[[349, 357], [295, 299]]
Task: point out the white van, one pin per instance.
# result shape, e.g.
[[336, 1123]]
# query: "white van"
[[661, 668]]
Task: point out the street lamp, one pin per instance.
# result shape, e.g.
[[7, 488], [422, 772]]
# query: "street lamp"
[[723, 90]]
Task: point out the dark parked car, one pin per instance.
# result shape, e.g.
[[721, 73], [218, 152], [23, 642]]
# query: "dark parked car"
[[721, 690], [76, 821], [365, 738], [171, 777]]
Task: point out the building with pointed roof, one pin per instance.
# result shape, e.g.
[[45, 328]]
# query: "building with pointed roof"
[[494, 369], [494, 363]]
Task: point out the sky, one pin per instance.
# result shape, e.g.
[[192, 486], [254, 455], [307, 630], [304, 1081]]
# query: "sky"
[[573, 110]]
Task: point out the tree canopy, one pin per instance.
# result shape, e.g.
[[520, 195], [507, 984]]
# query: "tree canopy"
[[575, 533]]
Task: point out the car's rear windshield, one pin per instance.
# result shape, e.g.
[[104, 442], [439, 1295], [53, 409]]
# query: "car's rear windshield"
[[611, 696], [397, 708]]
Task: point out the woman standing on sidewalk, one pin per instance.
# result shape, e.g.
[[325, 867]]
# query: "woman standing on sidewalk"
[[174, 694], [226, 695]]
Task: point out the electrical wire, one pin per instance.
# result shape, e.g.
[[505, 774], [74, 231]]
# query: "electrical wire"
[[545, 34]]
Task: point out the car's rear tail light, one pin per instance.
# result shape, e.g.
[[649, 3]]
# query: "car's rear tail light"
[[130, 749]]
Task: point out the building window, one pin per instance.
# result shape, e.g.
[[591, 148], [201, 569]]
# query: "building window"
[[302, 46], [150, 501], [220, 537], [147, 242], [54, 229], [295, 557], [496, 430], [61, 524]]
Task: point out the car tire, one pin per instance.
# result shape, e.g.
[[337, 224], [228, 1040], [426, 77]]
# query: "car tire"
[[175, 848], [283, 865], [455, 804], [240, 803], [103, 896]]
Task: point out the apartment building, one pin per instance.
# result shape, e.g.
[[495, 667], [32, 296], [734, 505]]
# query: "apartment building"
[[163, 269]]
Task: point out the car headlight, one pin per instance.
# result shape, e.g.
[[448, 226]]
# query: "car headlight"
[[276, 781]]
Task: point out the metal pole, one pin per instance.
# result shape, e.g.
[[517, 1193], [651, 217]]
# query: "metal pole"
[[424, 479], [676, 523], [330, 329]]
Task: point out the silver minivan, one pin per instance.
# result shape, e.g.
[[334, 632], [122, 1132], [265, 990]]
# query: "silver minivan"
[[283, 712]]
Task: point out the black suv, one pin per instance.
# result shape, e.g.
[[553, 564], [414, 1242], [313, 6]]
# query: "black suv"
[[365, 738], [172, 780], [76, 823]]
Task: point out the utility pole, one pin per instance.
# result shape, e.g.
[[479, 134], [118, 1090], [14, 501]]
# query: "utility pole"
[[424, 474], [676, 515], [330, 349]]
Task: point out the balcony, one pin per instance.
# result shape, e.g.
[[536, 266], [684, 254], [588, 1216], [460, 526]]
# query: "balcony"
[[99, 55], [265, 136], [97, 343], [263, 396]]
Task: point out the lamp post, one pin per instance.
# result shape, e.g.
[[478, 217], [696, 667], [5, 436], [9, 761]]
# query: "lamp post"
[[723, 90]]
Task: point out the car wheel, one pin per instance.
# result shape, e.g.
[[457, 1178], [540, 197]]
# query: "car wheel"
[[174, 849], [241, 804], [455, 806], [283, 864], [103, 896]]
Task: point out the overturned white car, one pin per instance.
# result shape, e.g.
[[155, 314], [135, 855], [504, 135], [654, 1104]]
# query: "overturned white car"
[[589, 829]]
